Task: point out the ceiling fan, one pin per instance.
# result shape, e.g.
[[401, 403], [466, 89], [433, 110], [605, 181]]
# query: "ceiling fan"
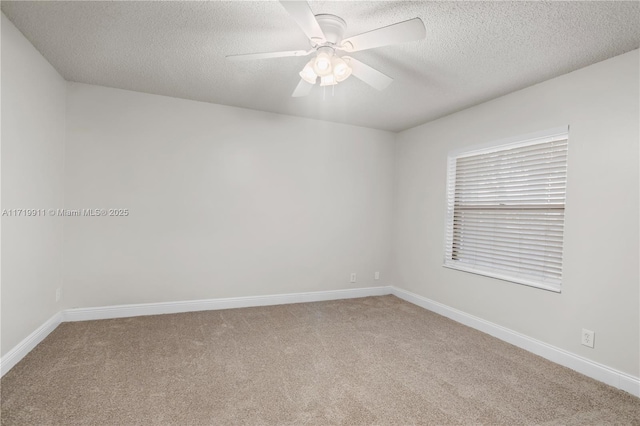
[[330, 65]]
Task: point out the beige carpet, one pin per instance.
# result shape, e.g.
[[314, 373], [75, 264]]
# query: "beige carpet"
[[377, 360]]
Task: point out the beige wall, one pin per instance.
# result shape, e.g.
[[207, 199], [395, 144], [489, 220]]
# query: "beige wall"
[[33, 134], [601, 260], [223, 201]]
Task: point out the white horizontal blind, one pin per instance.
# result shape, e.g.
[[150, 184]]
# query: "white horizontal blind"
[[505, 212]]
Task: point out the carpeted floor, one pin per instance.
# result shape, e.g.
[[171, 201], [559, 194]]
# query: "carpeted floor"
[[376, 360]]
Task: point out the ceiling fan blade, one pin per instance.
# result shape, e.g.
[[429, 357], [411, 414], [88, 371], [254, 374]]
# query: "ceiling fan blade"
[[302, 14], [371, 76], [410, 30], [250, 56], [302, 89]]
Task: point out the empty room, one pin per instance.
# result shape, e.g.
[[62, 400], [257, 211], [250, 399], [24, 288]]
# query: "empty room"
[[323, 213]]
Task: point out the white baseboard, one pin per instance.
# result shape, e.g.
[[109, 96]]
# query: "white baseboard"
[[630, 384], [14, 356], [120, 311], [575, 362]]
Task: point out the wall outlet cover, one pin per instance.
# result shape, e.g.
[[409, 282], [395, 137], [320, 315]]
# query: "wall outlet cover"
[[588, 337]]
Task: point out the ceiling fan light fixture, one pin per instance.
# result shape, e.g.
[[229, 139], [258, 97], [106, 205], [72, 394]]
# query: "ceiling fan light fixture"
[[328, 80], [341, 70], [322, 64], [308, 74]]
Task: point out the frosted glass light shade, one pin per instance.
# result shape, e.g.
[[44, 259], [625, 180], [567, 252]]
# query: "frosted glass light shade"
[[322, 64], [328, 80], [308, 74], [341, 70]]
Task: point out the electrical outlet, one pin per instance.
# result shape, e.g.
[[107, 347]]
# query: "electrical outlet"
[[376, 275], [353, 277], [588, 337], [58, 294]]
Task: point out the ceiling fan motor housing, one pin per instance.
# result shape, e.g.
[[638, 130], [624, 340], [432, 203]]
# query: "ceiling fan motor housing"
[[333, 28]]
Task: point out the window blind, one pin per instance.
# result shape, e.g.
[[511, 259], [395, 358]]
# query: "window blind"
[[505, 211]]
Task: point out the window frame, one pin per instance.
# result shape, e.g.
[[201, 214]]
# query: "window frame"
[[555, 134]]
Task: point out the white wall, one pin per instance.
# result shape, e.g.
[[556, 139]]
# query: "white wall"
[[33, 134], [601, 259], [223, 201]]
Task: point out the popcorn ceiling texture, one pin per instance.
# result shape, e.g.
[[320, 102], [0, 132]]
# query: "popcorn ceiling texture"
[[473, 52], [369, 361]]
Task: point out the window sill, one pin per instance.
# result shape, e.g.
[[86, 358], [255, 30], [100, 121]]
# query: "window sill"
[[504, 277]]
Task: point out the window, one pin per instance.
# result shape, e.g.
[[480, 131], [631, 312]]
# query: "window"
[[505, 210]]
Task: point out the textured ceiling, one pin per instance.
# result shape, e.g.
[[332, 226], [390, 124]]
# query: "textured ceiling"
[[473, 52]]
